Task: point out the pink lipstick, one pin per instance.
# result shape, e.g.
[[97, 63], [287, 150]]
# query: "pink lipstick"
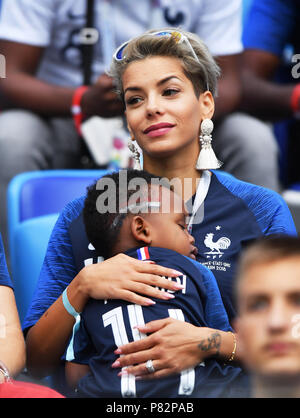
[[158, 129]]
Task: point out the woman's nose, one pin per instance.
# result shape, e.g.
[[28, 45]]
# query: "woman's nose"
[[154, 106]]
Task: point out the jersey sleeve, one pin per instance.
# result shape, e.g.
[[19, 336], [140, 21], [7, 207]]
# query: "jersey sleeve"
[[215, 313], [281, 221], [268, 207], [269, 25], [4, 275], [271, 213], [220, 26], [27, 21], [58, 268]]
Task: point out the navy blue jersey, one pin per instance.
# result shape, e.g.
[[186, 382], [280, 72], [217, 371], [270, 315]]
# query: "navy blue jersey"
[[235, 212], [4, 276], [106, 325]]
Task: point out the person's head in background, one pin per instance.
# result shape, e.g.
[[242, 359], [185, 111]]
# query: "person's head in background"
[[132, 208], [268, 322], [167, 80]]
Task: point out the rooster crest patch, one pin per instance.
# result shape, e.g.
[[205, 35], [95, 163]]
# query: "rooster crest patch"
[[216, 246]]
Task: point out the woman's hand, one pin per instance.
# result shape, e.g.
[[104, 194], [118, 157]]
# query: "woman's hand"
[[120, 277], [173, 346], [123, 277]]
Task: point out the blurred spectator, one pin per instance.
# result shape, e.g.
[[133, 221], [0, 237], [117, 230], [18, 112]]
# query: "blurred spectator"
[[268, 299], [12, 345], [270, 76], [50, 53]]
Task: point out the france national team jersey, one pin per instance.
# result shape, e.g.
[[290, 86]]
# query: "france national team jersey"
[[235, 214], [105, 325]]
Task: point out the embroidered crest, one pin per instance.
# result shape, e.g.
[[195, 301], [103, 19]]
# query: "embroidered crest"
[[216, 246]]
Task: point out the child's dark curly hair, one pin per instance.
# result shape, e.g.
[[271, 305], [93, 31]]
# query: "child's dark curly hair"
[[102, 213]]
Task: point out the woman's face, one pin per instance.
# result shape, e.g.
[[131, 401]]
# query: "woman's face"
[[162, 110]]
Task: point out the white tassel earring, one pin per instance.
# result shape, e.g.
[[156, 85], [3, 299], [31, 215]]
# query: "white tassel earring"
[[207, 158], [135, 154]]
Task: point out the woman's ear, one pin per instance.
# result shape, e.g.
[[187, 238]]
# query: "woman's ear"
[[141, 230], [207, 105]]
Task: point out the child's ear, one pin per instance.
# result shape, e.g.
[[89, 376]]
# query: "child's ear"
[[140, 229]]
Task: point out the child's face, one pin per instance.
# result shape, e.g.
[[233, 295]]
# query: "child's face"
[[168, 227]]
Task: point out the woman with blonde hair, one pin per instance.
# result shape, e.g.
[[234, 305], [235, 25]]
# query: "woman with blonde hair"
[[168, 80]]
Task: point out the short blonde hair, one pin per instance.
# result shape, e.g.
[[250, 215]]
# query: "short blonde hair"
[[266, 250], [203, 73]]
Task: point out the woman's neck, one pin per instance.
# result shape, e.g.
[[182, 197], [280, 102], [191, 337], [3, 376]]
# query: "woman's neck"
[[182, 174]]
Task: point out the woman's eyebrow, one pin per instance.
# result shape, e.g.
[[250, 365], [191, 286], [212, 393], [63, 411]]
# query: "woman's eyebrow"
[[159, 83], [166, 79], [132, 89]]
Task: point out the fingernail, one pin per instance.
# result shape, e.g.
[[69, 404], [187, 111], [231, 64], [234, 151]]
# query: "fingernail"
[[150, 302], [178, 286], [118, 351], [169, 295], [138, 377], [123, 373], [116, 364], [178, 273]]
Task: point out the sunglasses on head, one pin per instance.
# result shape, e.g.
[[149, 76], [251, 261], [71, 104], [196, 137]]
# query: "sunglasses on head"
[[177, 36]]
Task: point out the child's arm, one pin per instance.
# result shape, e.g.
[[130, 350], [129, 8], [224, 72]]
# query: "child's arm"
[[80, 350], [74, 372]]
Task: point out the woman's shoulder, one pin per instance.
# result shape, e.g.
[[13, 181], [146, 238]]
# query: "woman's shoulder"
[[245, 190], [60, 235], [72, 210], [268, 207]]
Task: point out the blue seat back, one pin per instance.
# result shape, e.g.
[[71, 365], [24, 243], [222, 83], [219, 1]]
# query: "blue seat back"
[[34, 202]]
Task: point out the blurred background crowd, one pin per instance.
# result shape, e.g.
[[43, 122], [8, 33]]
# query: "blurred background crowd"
[[52, 48]]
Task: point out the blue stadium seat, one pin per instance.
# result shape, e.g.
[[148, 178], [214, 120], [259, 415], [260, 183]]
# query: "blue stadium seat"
[[30, 244], [34, 202]]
